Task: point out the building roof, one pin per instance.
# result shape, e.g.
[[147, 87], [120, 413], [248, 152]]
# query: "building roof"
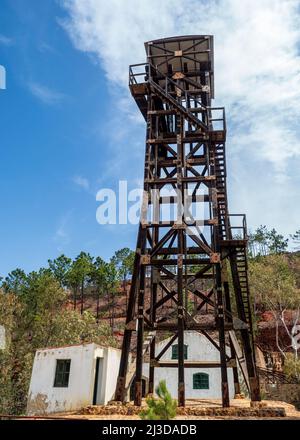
[[77, 345]]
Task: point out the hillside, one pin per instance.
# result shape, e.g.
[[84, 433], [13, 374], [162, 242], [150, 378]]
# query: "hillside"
[[275, 287]]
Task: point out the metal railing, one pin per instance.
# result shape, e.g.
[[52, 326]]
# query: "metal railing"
[[236, 227], [136, 73], [217, 118]]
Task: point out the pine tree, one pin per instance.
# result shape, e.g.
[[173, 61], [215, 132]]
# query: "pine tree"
[[296, 239], [163, 408]]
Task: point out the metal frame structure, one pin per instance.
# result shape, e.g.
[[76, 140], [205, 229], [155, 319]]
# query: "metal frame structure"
[[181, 254]]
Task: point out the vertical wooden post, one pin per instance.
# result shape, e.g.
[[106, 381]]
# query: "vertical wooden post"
[[121, 381], [140, 340], [222, 342], [180, 221], [152, 345], [237, 388]]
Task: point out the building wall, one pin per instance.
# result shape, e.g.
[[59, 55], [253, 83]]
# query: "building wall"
[[45, 398], [199, 349], [113, 357]]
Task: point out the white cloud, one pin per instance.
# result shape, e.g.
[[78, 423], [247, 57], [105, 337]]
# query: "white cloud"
[[82, 182], [45, 94], [257, 61], [257, 69], [5, 41], [61, 234]]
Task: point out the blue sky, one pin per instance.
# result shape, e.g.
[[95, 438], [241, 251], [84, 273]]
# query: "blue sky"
[[69, 128]]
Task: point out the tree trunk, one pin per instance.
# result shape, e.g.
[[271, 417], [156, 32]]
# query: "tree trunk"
[[74, 297], [112, 312], [125, 291], [98, 301], [108, 306], [81, 308]]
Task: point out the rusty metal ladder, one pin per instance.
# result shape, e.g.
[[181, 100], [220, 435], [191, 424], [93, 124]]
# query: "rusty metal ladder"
[[220, 173], [242, 268]]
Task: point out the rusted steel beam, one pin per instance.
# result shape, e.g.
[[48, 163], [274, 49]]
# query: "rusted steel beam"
[[170, 223], [180, 315], [204, 302], [222, 342], [162, 242], [192, 250], [167, 346], [120, 387], [173, 326], [192, 364], [173, 262]]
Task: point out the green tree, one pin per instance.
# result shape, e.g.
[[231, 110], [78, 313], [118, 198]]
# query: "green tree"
[[43, 299], [296, 239], [277, 244], [35, 318], [260, 240], [15, 359], [274, 288], [79, 275], [60, 267], [70, 327], [163, 408], [27, 317], [111, 285], [98, 278], [73, 282], [124, 260], [291, 366], [273, 282], [15, 281]]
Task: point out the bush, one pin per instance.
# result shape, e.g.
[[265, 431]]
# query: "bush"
[[163, 408], [291, 367]]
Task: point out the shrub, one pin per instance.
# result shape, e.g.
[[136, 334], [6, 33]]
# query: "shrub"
[[291, 367], [163, 408]]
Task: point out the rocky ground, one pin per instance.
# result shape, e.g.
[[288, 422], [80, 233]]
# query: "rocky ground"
[[196, 409]]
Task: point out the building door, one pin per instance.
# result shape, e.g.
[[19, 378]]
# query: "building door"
[[97, 395]]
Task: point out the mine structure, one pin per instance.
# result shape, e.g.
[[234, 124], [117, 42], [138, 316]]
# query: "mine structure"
[[188, 244]]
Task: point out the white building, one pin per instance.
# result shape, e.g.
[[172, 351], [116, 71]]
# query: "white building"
[[69, 378], [200, 383]]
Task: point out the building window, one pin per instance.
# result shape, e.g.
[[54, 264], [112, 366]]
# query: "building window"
[[62, 372], [175, 351], [200, 381]]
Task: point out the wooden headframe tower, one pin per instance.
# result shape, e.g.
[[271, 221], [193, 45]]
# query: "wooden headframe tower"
[[190, 250]]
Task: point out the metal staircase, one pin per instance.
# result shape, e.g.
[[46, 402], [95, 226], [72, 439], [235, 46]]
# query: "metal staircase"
[[242, 268], [132, 365], [140, 90], [220, 172], [184, 111]]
